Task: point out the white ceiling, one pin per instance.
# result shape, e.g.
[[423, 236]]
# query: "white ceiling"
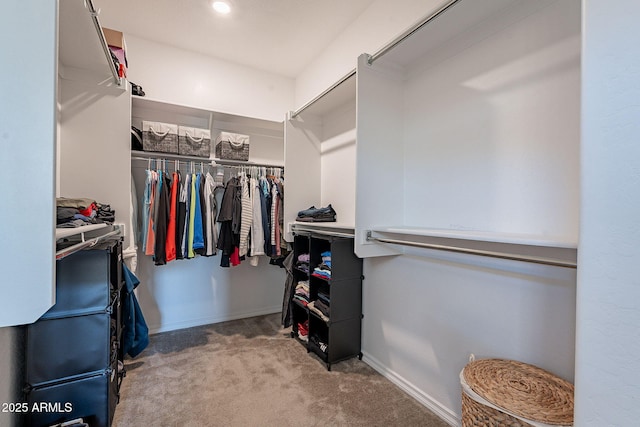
[[279, 36]]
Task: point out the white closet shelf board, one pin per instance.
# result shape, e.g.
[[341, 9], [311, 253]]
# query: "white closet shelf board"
[[80, 47], [62, 233], [322, 227], [144, 108], [532, 248], [481, 236]]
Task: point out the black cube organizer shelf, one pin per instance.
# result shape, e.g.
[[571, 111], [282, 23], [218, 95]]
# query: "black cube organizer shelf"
[[335, 337], [73, 352]]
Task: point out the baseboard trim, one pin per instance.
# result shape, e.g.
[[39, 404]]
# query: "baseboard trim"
[[432, 404], [173, 326]]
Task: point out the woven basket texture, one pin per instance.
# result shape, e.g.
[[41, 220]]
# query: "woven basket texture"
[[475, 414], [162, 144], [522, 389], [224, 150], [189, 147]]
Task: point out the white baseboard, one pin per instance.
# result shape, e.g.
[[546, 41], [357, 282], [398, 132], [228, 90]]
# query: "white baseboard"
[[432, 404], [154, 329]]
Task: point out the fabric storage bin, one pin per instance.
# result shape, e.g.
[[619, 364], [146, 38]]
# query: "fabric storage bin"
[[92, 398], [72, 345], [84, 282], [194, 141], [161, 137], [232, 146], [507, 393]]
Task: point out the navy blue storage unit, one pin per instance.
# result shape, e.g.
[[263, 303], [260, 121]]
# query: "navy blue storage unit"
[[73, 353]]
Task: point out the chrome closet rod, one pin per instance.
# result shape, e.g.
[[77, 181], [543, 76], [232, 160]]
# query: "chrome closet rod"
[[492, 254], [324, 92], [430, 17], [298, 230], [103, 40]]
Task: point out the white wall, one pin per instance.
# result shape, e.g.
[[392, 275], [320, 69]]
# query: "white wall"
[[337, 162], [607, 346], [95, 145], [187, 78], [378, 25], [425, 312], [492, 133]]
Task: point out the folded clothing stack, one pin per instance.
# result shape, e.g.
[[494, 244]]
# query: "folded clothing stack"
[[302, 293], [71, 213], [314, 214], [320, 309], [302, 263], [323, 270]]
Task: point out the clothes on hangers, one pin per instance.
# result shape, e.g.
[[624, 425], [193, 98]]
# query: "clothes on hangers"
[[180, 216]]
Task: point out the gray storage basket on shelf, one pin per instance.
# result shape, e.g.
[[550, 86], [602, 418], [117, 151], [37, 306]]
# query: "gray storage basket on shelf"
[[232, 146], [160, 137], [194, 141]]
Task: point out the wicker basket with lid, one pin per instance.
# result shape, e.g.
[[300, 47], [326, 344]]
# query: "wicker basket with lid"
[[501, 393]]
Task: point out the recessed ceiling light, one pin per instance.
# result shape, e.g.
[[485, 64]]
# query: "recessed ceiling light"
[[221, 7]]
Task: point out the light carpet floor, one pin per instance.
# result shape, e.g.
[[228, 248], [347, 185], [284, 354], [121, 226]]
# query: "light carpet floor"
[[250, 372]]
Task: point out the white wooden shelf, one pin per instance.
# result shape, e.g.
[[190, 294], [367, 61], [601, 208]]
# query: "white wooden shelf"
[[82, 48], [62, 233], [481, 236]]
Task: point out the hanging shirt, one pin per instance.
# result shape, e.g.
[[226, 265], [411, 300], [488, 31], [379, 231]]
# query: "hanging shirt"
[[198, 238], [192, 217], [162, 217], [211, 231], [150, 240], [274, 209], [247, 216], [187, 201], [265, 200], [171, 228], [180, 220], [146, 203], [257, 231]]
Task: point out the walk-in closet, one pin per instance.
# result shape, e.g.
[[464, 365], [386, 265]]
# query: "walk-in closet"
[[233, 213]]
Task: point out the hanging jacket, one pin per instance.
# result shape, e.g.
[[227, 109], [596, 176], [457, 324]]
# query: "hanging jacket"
[[180, 217], [162, 220], [227, 240], [135, 333], [288, 290], [198, 235]]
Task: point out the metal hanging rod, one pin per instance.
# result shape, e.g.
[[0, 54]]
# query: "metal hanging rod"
[[103, 41], [88, 243], [378, 54], [206, 161], [424, 21], [301, 228], [295, 113], [492, 254]]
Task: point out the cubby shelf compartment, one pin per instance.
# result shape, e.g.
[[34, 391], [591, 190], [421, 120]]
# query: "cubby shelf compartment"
[[342, 332]]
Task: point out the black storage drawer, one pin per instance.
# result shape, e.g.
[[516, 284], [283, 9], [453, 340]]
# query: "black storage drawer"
[[69, 346], [84, 281], [92, 398]]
